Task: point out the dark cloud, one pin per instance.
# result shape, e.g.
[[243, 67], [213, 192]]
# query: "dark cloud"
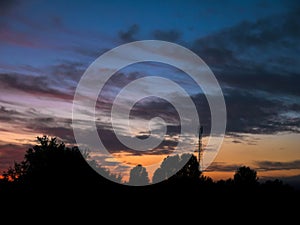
[[239, 138], [37, 85], [253, 113], [129, 35], [8, 114], [170, 35], [276, 165], [222, 167], [5, 111], [112, 88], [257, 64], [120, 79], [68, 71], [270, 31], [32, 120], [64, 133], [257, 79], [266, 115], [52, 126], [113, 145], [262, 49], [151, 107], [246, 113]]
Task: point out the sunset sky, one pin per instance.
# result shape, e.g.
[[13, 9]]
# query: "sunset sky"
[[252, 47]]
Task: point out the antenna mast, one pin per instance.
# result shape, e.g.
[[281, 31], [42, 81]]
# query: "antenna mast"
[[200, 152]]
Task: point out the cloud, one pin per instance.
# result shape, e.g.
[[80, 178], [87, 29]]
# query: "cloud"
[[252, 81], [255, 113], [265, 32], [113, 145], [37, 85], [256, 64], [222, 167], [277, 165], [250, 112], [52, 126], [129, 35], [31, 120], [151, 107], [242, 138], [256, 78], [170, 35], [262, 49], [246, 113], [67, 72], [6, 114]]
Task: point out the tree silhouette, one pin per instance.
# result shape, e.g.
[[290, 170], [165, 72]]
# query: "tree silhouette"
[[138, 176], [245, 177], [52, 169], [51, 164], [185, 166], [105, 172], [190, 169], [167, 168], [16, 172]]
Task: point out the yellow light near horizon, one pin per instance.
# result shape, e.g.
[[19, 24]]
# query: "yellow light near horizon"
[[277, 148], [10, 137], [144, 160], [281, 148]]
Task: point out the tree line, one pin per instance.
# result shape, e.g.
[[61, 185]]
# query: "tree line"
[[53, 166]]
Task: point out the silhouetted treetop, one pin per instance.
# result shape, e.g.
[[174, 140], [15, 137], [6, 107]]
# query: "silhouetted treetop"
[[52, 167], [245, 176], [177, 167], [138, 176], [51, 163]]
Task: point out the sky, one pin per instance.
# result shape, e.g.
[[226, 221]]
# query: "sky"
[[252, 48]]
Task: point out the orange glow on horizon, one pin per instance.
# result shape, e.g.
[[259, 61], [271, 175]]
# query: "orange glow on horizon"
[[258, 148], [248, 152]]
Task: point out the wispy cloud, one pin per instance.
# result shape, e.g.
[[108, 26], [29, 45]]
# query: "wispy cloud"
[[222, 167], [277, 165], [129, 35], [36, 85]]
